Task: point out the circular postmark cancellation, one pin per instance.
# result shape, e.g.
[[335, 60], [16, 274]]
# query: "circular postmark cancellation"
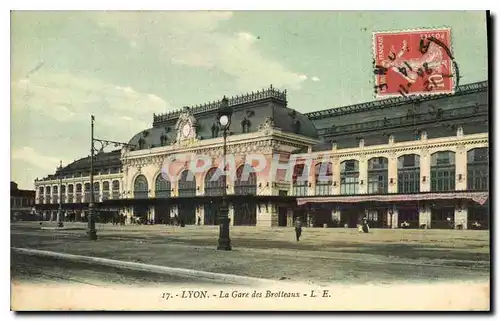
[[414, 63]]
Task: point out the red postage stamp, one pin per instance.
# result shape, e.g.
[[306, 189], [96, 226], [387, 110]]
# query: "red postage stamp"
[[416, 62]]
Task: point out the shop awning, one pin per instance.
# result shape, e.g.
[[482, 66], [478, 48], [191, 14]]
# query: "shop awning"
[[478, 197]]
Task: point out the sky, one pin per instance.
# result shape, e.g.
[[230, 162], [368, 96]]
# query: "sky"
[[124, 66]]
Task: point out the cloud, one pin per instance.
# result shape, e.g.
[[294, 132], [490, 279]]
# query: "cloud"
[[315, 79], [193, 39], [32, 157], [66, 97]]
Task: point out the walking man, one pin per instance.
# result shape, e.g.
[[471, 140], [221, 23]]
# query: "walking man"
[[298, 228]]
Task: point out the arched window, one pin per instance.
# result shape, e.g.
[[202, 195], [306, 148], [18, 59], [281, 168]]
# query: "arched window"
[[246, 180], [115, 192], [40, 194], [443, 171], [349, 177], [187, 184], [55, 194], [214, 182], [299, 180], [163, 187], [141, 187], [324, 177], [409, 173], [78, 195], [378, 175], [70, 193], [105, 190], [86, 197], [477, 169]]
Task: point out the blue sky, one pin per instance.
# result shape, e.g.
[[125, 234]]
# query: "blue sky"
[[125, 66]]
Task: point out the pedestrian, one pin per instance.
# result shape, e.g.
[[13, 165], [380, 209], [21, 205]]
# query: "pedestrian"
[[298, 228], [199, 220]]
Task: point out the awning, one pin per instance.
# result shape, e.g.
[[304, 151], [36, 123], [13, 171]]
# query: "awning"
[[478, 197]]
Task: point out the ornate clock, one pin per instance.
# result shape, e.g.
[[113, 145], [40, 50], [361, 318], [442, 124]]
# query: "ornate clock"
[[186, 130]]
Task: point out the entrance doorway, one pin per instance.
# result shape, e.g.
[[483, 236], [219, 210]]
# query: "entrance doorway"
[[443, 218], [245, 213], [162, 214], [408, 215], [211, 216], [282, 216], [187, 213]]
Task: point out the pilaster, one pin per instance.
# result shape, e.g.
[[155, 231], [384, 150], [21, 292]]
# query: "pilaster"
[[461, 214], [424, 216]]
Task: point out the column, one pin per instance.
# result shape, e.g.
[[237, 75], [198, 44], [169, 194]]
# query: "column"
[[460, 169], [461, 216], [425, 171], [289, 217], [231, 215], [336, 176], [392, 173], [424, 216], [151, 213], [392, 217], [363, 175], [201, 214]]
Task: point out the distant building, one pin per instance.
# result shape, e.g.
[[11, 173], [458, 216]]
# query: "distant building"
[[421, 161], [22, 203]]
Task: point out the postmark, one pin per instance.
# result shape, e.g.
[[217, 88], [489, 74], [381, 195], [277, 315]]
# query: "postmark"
[[414, 63]]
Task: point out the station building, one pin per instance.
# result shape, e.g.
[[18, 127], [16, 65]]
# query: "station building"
[[420, 161]]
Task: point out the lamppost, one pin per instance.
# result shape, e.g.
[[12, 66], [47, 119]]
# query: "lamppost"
[[224, 122], [104, 143], [59, 211]]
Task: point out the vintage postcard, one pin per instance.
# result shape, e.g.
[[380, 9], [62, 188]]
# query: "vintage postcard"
[[250, 160]]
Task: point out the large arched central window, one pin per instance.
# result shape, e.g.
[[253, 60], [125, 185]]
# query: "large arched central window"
[[443, 171], [349, 177], [378, 175], [163, 188], [477, 169], [246, 180], [299, 180], [214, 182], [187, 184], [141, 187], [409, 174], [324, 176]]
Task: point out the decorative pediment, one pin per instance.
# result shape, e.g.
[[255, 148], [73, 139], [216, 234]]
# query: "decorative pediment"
[[186, 127], [267, 126]]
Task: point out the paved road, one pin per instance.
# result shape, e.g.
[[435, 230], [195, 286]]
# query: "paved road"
[[44, 270]]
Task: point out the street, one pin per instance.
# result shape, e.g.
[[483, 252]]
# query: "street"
[[323, 256], [44, 270]]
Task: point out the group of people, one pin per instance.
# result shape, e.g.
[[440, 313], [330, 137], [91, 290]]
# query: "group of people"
[[363, 227]]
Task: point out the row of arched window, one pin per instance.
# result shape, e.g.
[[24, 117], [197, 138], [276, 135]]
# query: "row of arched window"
[[75, 193], [245, 183], [442, 174]]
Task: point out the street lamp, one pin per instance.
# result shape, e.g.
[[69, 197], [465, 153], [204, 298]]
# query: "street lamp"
[[104, 143], [224, 117], [59, 211]]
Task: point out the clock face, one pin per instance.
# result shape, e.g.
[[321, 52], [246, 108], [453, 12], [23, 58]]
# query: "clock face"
[[186, 129]]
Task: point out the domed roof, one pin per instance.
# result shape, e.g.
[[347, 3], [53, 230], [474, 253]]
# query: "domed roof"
[[249, 112]]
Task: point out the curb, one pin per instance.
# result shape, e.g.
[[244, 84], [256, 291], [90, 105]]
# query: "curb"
[[221, 277]]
